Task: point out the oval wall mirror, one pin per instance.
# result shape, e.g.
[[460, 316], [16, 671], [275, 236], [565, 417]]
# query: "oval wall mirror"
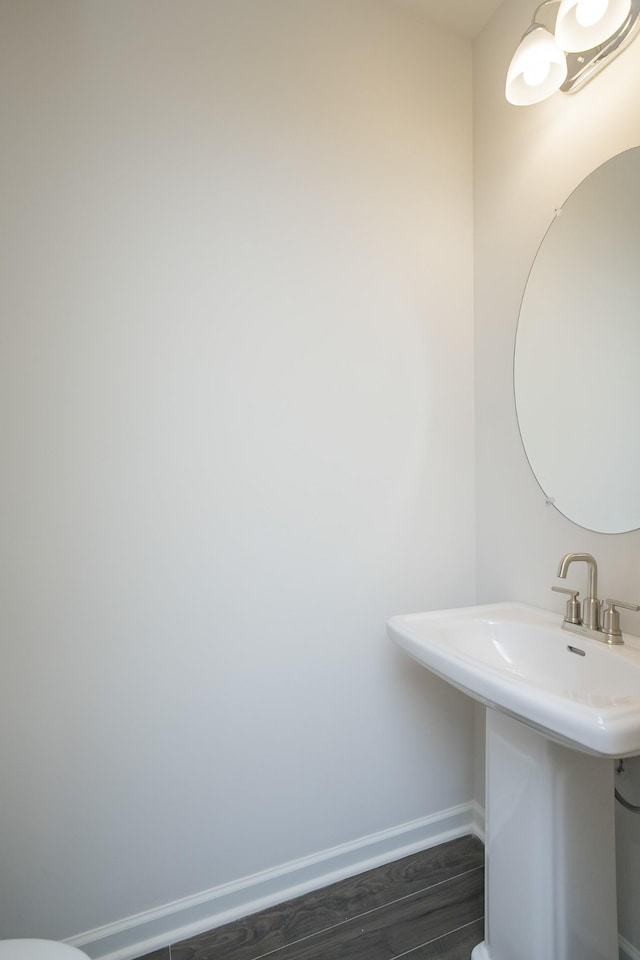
[[577, 352]]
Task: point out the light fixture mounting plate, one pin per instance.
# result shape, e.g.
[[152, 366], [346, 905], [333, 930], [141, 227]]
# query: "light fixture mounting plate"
[[583, 66]]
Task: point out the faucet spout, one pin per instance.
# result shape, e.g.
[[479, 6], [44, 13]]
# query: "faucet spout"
[[591, 604], [569, 558]]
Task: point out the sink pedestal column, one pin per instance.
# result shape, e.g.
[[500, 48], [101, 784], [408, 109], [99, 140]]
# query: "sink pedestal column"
[[550, 849]]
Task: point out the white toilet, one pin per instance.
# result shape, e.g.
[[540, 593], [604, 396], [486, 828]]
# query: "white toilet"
[[39, 950]]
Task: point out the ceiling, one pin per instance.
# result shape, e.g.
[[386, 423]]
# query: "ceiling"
[[466, 17]]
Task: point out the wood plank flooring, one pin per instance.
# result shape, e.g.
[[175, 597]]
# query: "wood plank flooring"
[[428, 906]]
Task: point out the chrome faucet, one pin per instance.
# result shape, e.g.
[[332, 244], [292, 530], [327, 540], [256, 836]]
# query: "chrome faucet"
[[590, 604], [585, 618]]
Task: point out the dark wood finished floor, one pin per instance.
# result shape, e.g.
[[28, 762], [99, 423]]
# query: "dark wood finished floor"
[[426, 906]]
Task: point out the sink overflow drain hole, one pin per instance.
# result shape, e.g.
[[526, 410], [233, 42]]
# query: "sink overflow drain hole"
[[581, 653]]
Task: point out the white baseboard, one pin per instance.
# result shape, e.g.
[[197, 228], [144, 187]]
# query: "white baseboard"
[[477, 813], [627, 950], [162, 926]]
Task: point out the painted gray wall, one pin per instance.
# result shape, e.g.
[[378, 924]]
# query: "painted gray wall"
[[237, 435]]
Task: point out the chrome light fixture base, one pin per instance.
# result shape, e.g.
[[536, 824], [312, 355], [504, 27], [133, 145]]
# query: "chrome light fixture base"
[[583, 66], [549, 57]]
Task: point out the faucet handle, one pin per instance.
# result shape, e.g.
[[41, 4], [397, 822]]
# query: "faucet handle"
[[622, 603], [572, 613], [611, 619]]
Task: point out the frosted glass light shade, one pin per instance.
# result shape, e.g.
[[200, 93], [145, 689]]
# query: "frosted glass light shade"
[[584, 24], [537, 70]]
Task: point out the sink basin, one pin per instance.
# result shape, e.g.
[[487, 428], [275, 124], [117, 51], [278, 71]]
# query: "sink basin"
[[574, 690]]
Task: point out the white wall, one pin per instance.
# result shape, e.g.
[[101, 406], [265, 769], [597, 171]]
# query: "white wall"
[[526, 163], [236, 400]]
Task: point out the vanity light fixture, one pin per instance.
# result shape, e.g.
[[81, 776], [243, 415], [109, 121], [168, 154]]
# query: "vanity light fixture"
[[585, 36]]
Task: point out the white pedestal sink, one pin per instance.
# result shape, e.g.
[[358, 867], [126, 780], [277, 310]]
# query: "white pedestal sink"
[[561, 707]]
